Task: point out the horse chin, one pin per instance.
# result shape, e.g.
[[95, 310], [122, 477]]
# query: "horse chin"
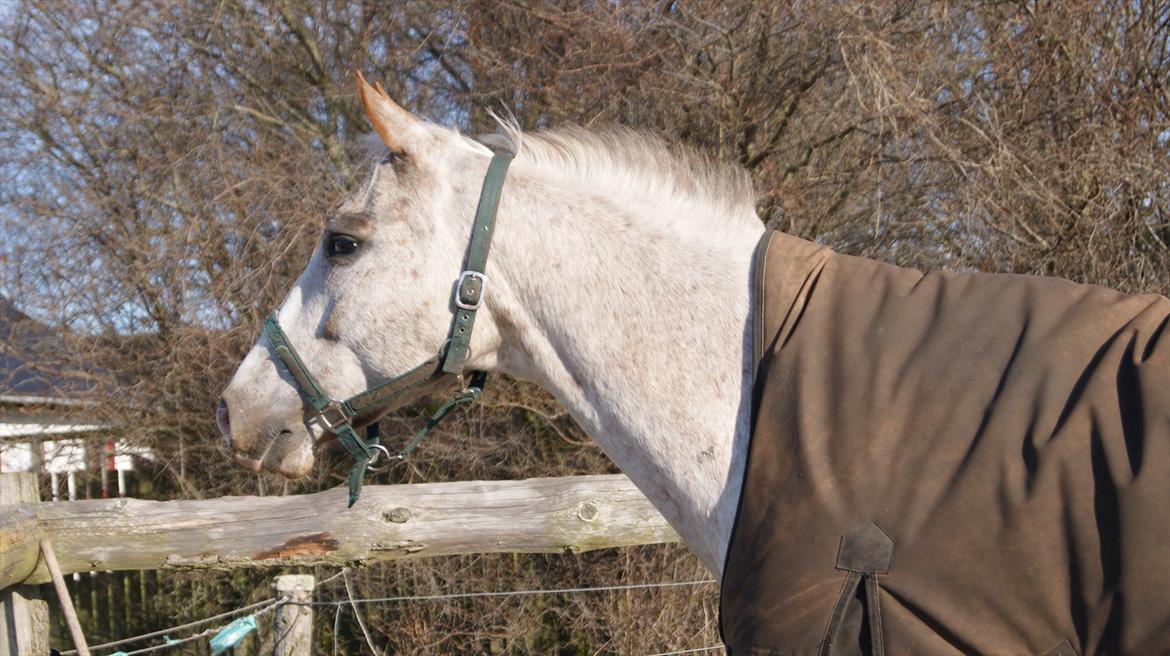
[[295, 474], [295, 465], [288, 454]]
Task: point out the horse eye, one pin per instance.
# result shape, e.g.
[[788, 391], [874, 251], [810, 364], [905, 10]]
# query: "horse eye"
[[341, 245]]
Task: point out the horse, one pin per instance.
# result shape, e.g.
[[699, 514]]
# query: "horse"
[[635, 281]]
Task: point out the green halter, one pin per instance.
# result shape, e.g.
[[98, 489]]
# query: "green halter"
[[343, 417]]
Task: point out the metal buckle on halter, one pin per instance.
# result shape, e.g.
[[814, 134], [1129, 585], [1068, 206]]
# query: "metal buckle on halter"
[[331, 424], [459, 302]]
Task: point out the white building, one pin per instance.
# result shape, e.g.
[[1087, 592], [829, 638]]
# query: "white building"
[[47, 423]]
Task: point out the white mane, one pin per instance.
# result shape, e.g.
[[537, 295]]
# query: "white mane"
[[637, 169]]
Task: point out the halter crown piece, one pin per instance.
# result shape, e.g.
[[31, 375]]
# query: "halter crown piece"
[[342, 418]]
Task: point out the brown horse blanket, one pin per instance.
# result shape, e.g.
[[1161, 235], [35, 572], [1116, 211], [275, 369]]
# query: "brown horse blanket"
[[950, 463]]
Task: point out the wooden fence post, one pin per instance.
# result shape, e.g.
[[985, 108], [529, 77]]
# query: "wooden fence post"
[[24, 615], [294, 622]]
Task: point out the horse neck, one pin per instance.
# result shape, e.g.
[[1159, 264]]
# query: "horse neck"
[[640, 327]]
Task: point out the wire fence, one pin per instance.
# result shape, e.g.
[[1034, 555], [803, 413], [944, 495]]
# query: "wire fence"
[[264, 606], [261, 608], [503, 593]]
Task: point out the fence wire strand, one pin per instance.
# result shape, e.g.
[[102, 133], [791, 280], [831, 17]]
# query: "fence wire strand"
[[202, 634], [502, 593], [688, 651], [266, 604]]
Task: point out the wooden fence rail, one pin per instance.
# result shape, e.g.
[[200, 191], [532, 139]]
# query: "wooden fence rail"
[[540, 515]]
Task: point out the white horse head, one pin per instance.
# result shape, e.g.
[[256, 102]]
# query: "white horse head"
[[374, 298], [618, 280]]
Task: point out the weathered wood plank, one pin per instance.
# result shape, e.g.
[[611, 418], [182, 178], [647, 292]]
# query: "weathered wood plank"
[[401, 521], [19, 537], [24, 615], [19, 542]]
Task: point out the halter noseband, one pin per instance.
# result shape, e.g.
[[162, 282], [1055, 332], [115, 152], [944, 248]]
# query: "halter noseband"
[[343, 417]]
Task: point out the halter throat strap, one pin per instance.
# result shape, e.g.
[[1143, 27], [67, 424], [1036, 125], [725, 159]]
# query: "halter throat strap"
[[343, 417]]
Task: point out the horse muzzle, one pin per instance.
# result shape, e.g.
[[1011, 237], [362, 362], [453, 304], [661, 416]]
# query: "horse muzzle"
[[277, 444]]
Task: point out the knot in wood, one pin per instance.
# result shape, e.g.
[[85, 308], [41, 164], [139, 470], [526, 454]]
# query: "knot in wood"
[[587, 511], [398, 515]]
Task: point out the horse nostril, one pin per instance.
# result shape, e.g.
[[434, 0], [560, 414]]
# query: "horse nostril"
[[223, 420]]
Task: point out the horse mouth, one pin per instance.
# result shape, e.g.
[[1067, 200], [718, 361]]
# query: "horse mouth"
[[248, 463], [286, 454]]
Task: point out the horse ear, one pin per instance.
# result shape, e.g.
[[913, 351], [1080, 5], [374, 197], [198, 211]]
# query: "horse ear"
[[391, 122]]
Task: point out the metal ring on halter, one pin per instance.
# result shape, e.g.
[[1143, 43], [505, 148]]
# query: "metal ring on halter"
[[446, 344], [379, 449]]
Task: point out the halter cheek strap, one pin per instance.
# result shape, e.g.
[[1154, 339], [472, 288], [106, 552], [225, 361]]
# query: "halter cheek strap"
[[469, 292], [343, 417]]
